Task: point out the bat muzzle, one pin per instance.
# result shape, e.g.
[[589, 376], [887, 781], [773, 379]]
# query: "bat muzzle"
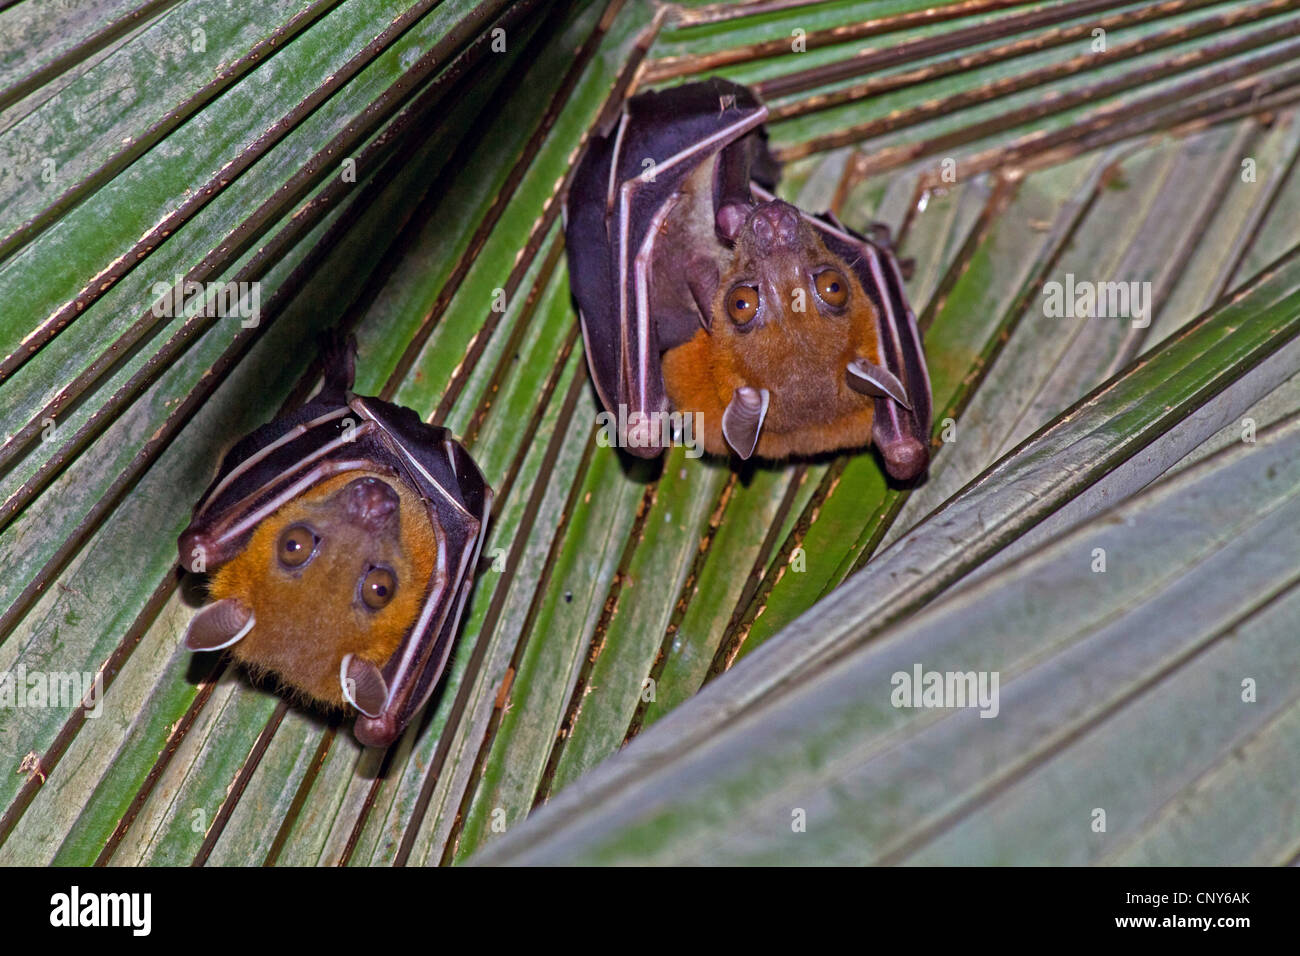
[[774, 227], [370, 503]]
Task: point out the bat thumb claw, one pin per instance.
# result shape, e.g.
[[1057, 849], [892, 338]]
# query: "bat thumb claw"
[[743, 419], [881, 234], [877, 382], [363, 685], [219, 625]]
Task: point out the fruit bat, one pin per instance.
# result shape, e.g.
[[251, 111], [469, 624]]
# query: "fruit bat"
[[698, 291], [342, 539]]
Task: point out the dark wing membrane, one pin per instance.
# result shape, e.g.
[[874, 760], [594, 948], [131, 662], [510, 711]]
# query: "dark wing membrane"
[[901, 434], [620, 194], [586, 237], [459, 502], [270, 467]]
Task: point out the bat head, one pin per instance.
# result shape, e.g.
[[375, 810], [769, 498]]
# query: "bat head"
[[787, 318], [333, 579]]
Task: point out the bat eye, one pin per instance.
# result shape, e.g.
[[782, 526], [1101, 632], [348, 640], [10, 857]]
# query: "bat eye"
[[377, 587], [297, 546], [742, 303], [832, 287]]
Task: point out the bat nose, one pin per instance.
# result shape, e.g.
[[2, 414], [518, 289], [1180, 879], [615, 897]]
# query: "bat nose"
[[370, 503], [774, 225]]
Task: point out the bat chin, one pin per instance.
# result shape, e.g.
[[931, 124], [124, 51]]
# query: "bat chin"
[[774, 227]]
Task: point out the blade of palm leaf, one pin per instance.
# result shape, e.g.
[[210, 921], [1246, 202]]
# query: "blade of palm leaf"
[[1129, 236], [1258, 378], [697, 12], [813, 30], [632, 635], [579, 571], [1270, 166], [86, 130], [40, 44], [1090, 709], [861, 766], [1277, 405], [825, 77], [1280, 229], [1273, 89], [1231, 816], [168, 188], [903, 130]]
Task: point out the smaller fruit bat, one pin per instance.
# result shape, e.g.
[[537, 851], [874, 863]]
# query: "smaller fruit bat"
[[342, 538], [700, 292]]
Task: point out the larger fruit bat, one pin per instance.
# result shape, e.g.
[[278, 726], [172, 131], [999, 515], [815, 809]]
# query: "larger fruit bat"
[[699, 292], [342, 539]]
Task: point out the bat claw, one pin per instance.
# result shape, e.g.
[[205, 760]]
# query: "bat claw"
[[881, 235], [363, 685], [876, 381], [219, 625], [743, 419]]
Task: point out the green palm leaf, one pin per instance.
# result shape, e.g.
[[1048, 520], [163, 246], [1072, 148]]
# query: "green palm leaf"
[[396, 169]]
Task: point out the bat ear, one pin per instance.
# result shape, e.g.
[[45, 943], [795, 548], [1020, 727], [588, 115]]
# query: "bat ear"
[[877, 382], [743, 419], [219, 625], [363, 685]]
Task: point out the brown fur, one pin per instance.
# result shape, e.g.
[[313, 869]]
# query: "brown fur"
[[307, 620], [799, 357]]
